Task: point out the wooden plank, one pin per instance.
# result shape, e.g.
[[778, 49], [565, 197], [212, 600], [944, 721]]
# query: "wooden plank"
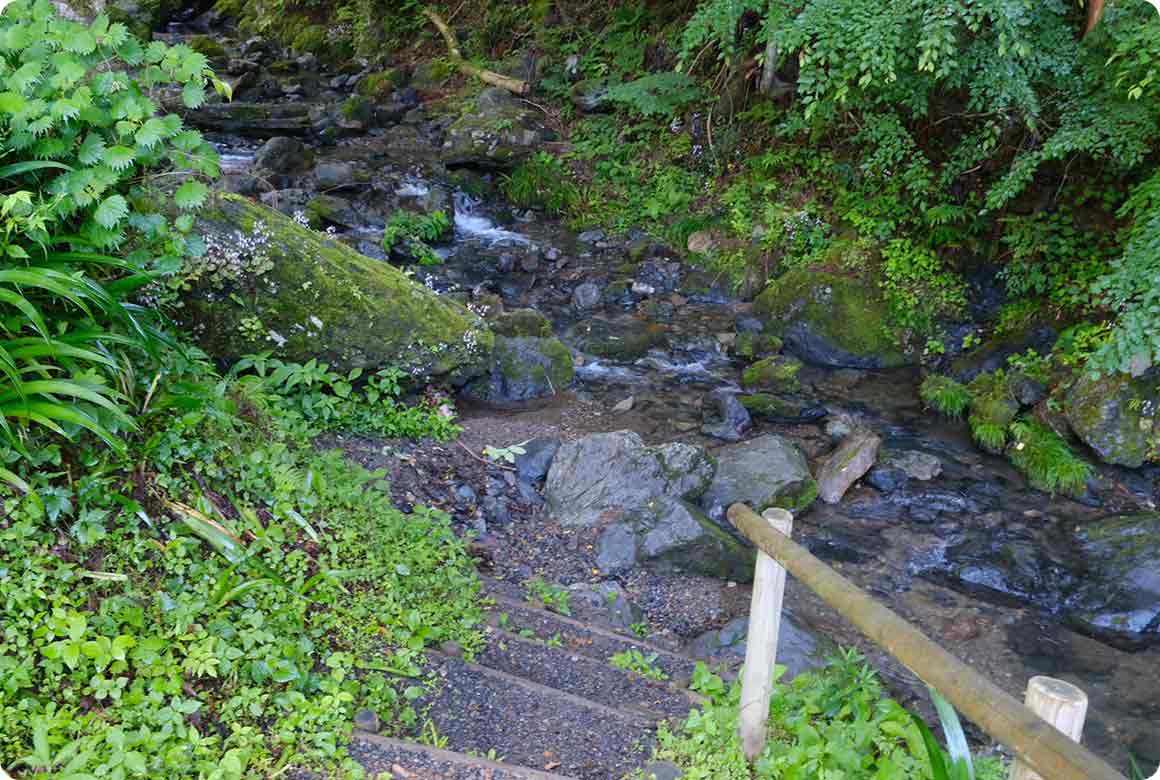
[[1037, 742], [761, 641]]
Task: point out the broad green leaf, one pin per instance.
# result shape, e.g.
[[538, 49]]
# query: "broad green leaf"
[[190, 195], [111, 211]]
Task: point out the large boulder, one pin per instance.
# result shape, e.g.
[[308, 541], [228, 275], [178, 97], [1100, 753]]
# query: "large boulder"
[[641, 498], [607, 476], [1116, 416], [669, 533], [830, 320], [498, 133], [763, 472], [267, 283], [1119, 594], [523, 368]]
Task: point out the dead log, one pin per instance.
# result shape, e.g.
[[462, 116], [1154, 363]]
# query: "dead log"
[[463, 66]]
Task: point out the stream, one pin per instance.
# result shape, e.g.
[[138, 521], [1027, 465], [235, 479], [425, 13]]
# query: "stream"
[[975, 557]]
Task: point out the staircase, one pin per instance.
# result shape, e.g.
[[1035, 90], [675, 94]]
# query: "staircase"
[[540, 702]]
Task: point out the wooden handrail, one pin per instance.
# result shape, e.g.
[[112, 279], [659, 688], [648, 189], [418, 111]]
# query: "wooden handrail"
[[1034, 741]]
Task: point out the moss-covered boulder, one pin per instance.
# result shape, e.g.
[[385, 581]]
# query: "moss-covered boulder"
[[1116, 416], [497, 133], [830, 320], [380, 84], [763, 472], [778, 409], [776, 374], [521, 322], [267, 283], [524, 368]]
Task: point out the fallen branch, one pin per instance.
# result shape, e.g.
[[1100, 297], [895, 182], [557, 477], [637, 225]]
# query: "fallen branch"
[[463, 66]]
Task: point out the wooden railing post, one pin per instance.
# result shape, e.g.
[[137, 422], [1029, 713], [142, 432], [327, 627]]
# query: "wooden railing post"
[[1059, 703], [761, 641]]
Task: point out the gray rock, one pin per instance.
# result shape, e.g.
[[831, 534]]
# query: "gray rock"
[[616, 549], [591, 236], [763, 472], [368, 720], [674, 534], [282, 154], [700, 242], [915, 464], [852, 459], [798, 649], [606, 477], [724, 416], [1119, 594], [591, 96], [524, 368], [604, 603], [586, 296], [533, 465], [333, 175], [498, 133], [1027, 391], [662, 770]]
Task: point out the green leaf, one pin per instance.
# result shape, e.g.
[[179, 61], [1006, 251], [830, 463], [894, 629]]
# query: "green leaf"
[[193, 95], [190, 195], [119, 158], [111, 211], [15, 169]]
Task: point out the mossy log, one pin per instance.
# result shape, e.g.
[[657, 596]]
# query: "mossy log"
[[483, 74]]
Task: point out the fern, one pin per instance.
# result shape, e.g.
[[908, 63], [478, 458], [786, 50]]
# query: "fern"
[[658, 94]]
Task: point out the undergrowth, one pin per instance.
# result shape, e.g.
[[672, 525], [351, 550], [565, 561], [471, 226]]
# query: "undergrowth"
[[833, 722]]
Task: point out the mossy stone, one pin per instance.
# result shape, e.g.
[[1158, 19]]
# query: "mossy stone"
[[313, 297], [379, 85], [1116, 416], [204, 44], [831, 320], [524, 368], [753, 346], [777, 374], [521, 322]]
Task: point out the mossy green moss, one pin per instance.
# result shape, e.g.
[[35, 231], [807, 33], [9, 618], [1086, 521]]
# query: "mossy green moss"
[[797, 498], [208, 46], [993, 409], [626, 346], [777, 374], [842, 319], [379, 85], [524, 368], [945, 395], [521, 322], [753, 346], [1117, 417], [321, 299]]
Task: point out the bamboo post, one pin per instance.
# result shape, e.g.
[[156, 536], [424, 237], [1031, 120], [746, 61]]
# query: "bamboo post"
[[1002, 716], [1059, 703], [761, 641]]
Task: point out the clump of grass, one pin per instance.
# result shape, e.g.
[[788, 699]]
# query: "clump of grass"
[[993, 409], [1045, 458], [944, 395], [989, 435], [542, 182]]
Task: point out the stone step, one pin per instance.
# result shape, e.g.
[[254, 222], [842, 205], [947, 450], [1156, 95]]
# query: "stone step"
[[582, 638], [411, 761], [489, 712], [581, 675]]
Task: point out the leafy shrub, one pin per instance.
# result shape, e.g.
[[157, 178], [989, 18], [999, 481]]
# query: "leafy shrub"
[[657, 94], [945, 395], [410, 234], [541, 181], [832, 722], [202, 608], [637, 662], [1045, 458], [79, 136], [918, 290], [323, 400]]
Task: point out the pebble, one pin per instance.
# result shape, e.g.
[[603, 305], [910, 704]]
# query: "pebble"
[[625, 405]]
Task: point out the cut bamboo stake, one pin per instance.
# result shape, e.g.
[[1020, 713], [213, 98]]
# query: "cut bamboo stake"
[[761, 641], [1059, 703], [489, 76], [1003, 717]]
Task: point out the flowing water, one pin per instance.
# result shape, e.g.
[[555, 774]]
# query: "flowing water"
[[974, 556]]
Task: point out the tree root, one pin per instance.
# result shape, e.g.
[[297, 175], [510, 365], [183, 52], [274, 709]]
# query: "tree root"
[[463, 66]]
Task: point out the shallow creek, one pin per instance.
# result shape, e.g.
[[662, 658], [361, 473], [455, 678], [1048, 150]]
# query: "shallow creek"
[[973, 556]]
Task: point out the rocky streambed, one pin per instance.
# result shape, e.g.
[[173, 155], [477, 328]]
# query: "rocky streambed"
[[647, 398]]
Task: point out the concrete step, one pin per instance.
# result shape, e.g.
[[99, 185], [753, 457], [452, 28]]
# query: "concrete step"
[[412, 761], [582, 638], [485, 711], [581, 675]]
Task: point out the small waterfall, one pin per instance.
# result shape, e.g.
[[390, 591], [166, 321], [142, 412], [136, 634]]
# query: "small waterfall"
[[469, 225]]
